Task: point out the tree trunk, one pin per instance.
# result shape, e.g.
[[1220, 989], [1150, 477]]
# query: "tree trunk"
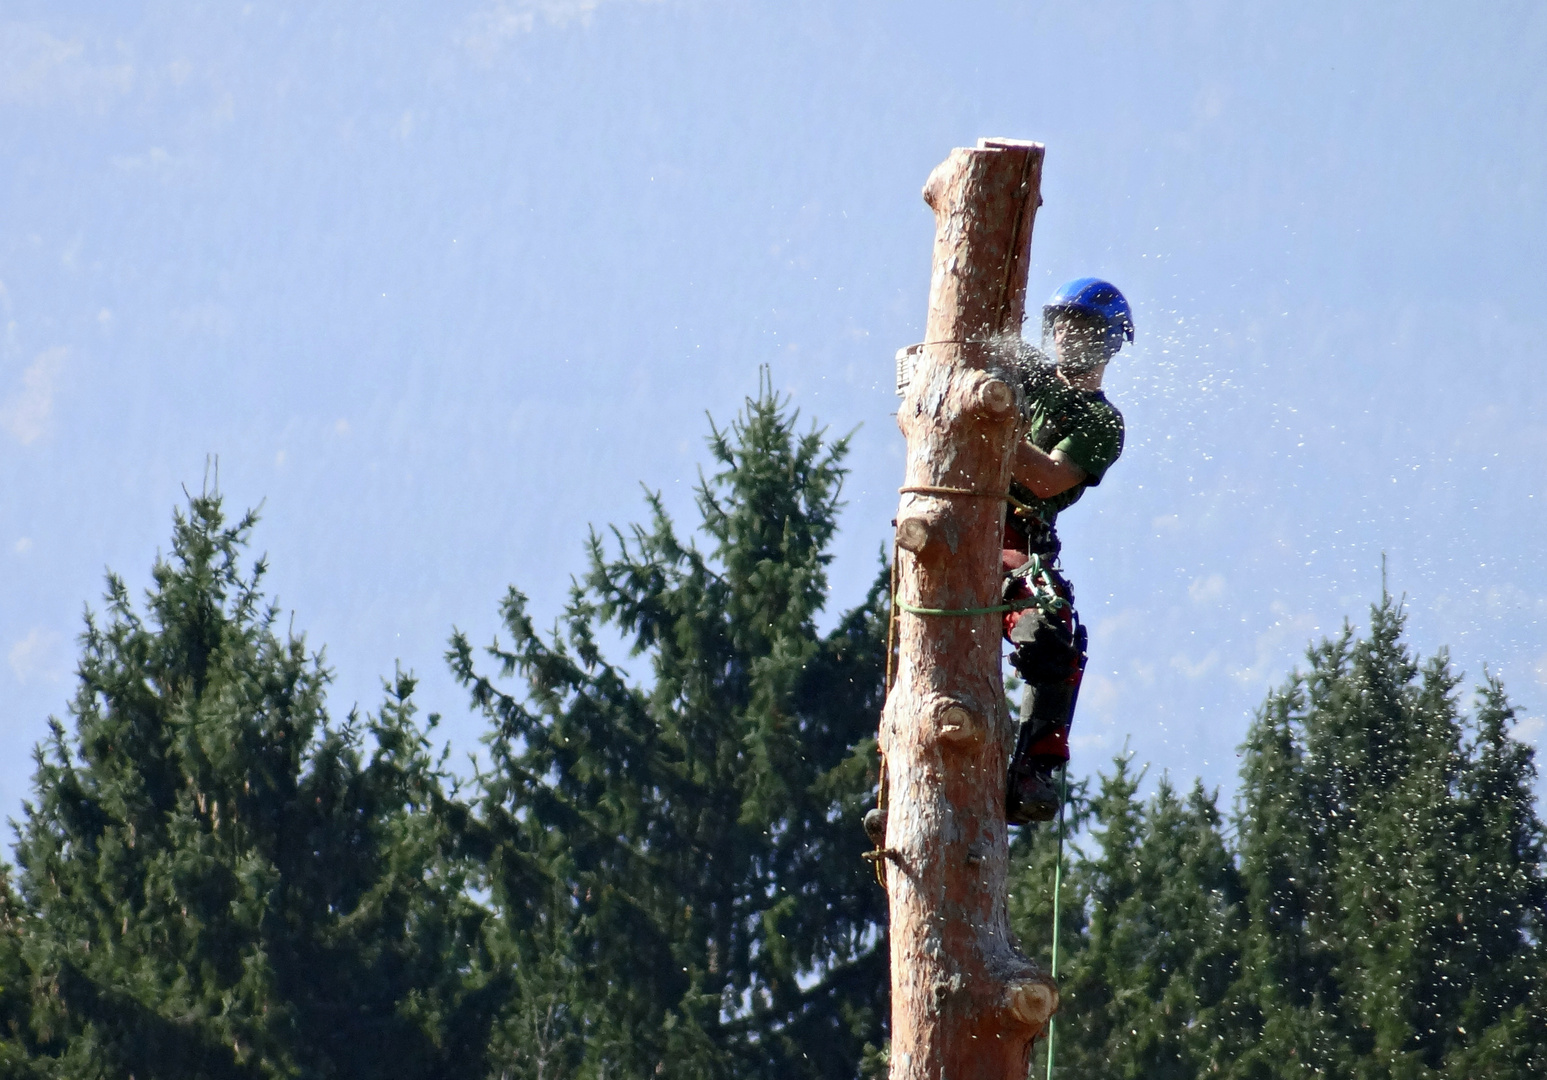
[[966, 1005]]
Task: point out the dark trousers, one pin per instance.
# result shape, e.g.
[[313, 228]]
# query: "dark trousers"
[[1047, 642]]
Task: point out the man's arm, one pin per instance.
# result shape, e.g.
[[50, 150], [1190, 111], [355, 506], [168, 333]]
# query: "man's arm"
[[1045, 475]]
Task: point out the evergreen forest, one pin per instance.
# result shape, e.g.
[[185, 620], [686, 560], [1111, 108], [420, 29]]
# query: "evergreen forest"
[[656, 871]]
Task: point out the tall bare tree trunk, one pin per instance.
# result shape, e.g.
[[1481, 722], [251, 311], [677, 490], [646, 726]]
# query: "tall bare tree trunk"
[[966, 1004]]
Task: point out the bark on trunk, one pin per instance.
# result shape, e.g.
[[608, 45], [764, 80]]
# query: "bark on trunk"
[[966, 1005]]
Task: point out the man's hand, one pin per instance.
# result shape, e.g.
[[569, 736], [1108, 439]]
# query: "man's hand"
[[1045, 475]]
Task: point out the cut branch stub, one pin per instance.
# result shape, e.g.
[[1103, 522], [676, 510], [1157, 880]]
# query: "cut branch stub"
[[995, 400], [965, 1003], [959, 728]]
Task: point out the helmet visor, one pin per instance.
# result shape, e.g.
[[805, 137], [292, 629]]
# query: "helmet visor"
[[1077, 340]]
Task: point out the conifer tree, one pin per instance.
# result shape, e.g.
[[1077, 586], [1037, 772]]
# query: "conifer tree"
[[1147, 986], [1379, 913], [19, 1049], [1197, 913], [1034, 879], [1395, 872], [222, 882], [1287, 969], [1097, 1001], [684, 848], [1500, 895]]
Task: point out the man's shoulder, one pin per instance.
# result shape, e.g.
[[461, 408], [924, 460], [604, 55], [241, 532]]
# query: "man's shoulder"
[[1101, 408], [1097, 439]]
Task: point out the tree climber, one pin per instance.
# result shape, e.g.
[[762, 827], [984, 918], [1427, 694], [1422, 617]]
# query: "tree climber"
[[1073, 436]]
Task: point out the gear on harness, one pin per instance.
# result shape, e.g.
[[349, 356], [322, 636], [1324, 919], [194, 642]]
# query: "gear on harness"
[[1049, 653], [1045, 650]]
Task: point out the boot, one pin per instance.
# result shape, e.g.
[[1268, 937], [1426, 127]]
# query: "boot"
[[1031, 786], [1031, 793]]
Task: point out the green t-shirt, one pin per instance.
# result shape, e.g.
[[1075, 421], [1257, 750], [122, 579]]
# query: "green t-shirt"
[[1081, 423]]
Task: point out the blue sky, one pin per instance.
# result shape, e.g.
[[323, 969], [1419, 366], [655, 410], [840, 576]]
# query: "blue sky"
[[444, 284]]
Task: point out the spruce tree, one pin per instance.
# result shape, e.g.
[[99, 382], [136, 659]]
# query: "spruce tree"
[[1287, 969], [1499, 891], [677, 856], [1198, 912], [1378, 914], [219, 880], [1148, 986], [1395, 872], [19, 1049], [1098, 1002]]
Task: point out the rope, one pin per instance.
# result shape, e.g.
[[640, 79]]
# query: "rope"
[[1020, 507], [930, 489], [1058, 884], [891, 630], [998, 609], [1050, 602], [878, 854], [1046, 596]]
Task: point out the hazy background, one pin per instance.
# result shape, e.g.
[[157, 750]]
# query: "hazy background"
[[444, 284]]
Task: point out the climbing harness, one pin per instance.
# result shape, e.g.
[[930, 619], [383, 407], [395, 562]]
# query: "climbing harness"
[[1039, 579], [914, 609], [1044, 596], [1058, 885]]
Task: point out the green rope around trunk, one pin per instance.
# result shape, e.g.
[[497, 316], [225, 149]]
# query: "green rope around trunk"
[[1043, 596], [1018, 605]]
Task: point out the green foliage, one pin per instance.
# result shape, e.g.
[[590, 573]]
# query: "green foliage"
[[1396, 867], [1378, 912], [221, 882], [657, 872], [1150, 932], [676, 862], [19, 1050]]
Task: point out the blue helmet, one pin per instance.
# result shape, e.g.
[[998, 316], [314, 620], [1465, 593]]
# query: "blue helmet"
[[1092, 296]]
